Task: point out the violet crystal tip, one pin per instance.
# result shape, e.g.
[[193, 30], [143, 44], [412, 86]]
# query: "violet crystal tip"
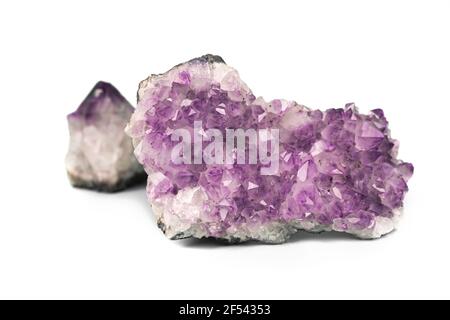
[[100, 154], [336, 170], [101, 91]]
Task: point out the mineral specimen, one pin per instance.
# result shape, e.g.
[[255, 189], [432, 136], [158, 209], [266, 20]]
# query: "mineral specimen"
[[331, 170], [100, 154]]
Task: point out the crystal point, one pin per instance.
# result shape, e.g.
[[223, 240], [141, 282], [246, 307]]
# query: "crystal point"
[[100, 154]]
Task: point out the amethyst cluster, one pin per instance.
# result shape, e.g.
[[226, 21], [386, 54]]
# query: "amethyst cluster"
[[336, 169]]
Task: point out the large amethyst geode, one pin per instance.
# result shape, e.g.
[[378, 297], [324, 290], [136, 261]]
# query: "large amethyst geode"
[[100, 154], [335, 170]]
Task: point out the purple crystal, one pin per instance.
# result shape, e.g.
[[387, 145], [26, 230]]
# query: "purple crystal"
[[337, 169], [101, 154]]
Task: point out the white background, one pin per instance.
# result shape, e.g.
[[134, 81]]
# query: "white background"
[[60, 242]]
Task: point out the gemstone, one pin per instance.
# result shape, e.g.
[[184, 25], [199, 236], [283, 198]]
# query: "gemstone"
[[313, 170], [100, 154]]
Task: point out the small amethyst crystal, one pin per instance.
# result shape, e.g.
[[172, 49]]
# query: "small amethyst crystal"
[[101, 155], [328, 170]]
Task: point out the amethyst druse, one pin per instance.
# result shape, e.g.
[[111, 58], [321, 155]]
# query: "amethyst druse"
[[334, 170], [100, 154]]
